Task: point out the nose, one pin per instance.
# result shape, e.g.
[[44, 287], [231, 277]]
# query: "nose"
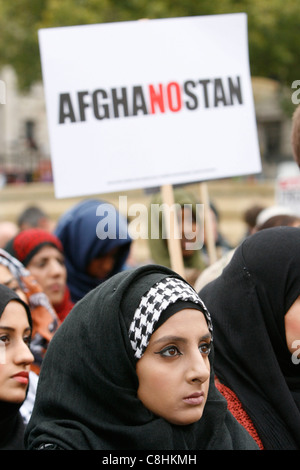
[[198, 368], [56, 268], [23, 355]]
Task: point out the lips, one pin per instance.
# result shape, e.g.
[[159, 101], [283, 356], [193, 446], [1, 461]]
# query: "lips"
[[55, 287], [22, 377], [194, 399]]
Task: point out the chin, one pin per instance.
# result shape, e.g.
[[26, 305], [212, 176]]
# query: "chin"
[[56, 299], [17, 397], [186, 420]]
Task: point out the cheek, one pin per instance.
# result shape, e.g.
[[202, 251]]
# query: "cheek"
[[37, 273], [150, 380], [155, 387]]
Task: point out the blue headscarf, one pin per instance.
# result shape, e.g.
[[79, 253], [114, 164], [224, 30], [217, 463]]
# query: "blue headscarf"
[[87, 231]]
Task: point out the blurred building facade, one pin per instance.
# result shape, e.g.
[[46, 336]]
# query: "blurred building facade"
[[24, 141]]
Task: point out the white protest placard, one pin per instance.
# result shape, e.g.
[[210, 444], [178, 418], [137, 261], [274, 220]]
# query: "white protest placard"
[[147, 103]]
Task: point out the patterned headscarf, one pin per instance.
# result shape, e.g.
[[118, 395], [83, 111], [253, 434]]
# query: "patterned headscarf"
[[16, 268], [153, 303]]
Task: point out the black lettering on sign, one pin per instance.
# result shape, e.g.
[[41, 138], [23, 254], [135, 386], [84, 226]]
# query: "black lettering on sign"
[[66, 110], [151, 99], [188, 88], [138, 101], [101, 110]]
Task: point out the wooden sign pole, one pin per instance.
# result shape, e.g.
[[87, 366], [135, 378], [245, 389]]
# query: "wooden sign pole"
[[208, 228], [173, 238]]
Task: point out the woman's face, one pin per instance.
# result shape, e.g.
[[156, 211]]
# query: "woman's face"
[[101, 268], [174, 371], [48, 268], [15, 355], [8, 280], [189, 229]]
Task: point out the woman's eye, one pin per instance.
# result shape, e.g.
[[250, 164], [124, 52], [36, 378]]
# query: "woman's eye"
[[4, 339], [13, 285], [205, 348], [27, 340], [170, 351]]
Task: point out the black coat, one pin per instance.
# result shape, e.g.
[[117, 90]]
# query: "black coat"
[[248, 304]]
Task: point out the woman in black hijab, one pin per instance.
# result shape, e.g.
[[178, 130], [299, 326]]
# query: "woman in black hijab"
[[91, 394], [15, 360], [250, 304]]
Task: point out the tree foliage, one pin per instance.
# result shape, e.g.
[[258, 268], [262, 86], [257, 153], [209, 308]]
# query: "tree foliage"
[[273, 28]]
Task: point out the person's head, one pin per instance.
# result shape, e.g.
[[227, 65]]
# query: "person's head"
[[11, 274], [171, 336], [142, 342], [279, 221], [15, 355], [174, 370], [265, 268], [96, 244], [41, 253], [34, 217], [269, 213], [190, 230], [250, 217], [8, 279], [190, 225], [256, 318]]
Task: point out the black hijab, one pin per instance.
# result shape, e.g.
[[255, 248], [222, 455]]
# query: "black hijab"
[[248, 303], [87, 392], [11, 423]]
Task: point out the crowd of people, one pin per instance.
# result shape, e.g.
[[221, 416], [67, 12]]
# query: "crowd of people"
[[98, 354]]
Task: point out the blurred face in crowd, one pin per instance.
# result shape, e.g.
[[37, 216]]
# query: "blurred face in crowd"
[[10, 281], [101, 267], [189, 229], [15, 355], [174, 371], [48, 268]]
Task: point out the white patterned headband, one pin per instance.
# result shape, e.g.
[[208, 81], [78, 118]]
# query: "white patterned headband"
[[153, 303]]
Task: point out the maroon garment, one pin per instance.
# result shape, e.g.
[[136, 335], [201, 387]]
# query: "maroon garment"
[[65, 306]]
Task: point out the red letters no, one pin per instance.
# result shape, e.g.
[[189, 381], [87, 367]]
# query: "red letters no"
[[174, 96], [156, 98]]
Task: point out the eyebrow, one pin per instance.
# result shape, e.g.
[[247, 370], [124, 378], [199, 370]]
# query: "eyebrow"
[[171, 338], [10, 328]]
